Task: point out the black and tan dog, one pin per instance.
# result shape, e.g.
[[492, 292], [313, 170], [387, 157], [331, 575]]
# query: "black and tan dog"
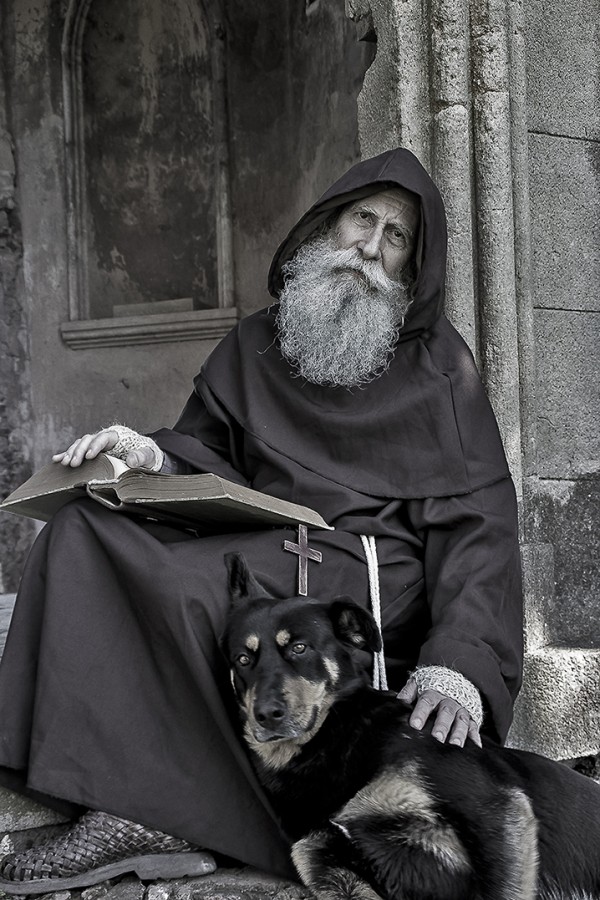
[[377, 809]]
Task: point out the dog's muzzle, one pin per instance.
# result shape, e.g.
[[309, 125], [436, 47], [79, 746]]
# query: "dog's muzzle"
[[273, 722]]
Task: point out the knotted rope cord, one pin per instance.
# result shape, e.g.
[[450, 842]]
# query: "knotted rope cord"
[[370, 548]]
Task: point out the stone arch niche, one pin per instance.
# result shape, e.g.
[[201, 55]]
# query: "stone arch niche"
[[149, 225]]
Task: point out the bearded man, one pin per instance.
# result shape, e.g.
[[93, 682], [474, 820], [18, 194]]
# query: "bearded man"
[[352, 395]]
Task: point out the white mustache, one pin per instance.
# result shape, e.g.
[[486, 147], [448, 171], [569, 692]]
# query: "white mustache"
[[371, 270]]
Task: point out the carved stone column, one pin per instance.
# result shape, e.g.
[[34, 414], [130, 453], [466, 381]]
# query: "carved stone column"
[[452, 156], [440, 85], [448, 82]]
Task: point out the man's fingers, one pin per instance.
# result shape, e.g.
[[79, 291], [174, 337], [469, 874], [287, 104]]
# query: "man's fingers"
[[86, 447], [445, 719], [409, 692], [65, 456], [143, 457], [90, 445], [460, 729], [73, 455], [452, 722], [474, 733], [101, 442], [427, 702]]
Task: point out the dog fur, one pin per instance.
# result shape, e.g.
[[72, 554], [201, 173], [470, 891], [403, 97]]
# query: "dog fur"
[[376, 809]]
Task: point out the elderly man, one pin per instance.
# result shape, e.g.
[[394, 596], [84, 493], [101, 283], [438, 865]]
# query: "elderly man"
[[352, 395]]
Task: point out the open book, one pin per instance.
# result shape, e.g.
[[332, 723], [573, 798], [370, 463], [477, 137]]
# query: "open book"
[[190, 500]]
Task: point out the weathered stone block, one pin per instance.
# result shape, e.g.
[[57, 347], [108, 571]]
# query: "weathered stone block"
[[18, 813], [96, 891], [229, 884], [557, 712], [538, 590], [565, 222], [157, 892], [568, 393], [569, 517], [563, 67], [127, 889]]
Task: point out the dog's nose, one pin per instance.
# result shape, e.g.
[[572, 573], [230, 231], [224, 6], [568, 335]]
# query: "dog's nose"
[[270, 714]]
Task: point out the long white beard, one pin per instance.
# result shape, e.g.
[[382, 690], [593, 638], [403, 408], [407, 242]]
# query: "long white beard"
[[339, 315]]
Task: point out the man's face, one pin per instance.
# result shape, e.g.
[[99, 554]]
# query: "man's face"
[[381, 227], [347, 291]]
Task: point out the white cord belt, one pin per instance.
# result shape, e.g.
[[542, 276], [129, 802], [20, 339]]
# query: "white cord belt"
[[370, 548]]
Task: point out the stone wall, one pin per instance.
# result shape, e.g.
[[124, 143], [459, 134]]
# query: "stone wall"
[[15, 399], [564, 152]]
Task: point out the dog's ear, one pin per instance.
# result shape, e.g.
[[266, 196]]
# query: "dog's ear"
[[354, 625], [242, 583]]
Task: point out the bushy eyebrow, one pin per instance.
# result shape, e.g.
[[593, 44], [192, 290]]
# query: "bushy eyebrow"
[[364, 207]]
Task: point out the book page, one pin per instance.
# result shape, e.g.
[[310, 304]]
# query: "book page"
[[55, 477], [119, 468]]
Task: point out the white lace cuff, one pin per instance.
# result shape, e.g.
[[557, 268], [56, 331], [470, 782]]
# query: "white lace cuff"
[[131, 440], [452, 684]]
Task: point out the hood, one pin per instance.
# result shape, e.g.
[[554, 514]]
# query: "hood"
[[395, 168]]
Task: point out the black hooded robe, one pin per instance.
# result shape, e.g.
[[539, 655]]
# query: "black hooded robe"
[[113, 694]]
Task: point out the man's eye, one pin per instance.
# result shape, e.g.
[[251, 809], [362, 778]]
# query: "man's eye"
[[398, 238], [243, 660], [363, 217], [298, 648]]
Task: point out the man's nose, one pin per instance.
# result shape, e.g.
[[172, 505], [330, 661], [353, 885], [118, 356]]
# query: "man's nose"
[[370, 246]]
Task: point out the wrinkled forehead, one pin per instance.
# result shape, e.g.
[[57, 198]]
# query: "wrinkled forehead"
[[396, 205]]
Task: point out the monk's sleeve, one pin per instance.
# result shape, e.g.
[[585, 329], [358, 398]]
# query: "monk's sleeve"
[[473, 587], [205, 439]]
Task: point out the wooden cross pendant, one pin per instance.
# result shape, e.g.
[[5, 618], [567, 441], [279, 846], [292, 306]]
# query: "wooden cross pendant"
[[304, 553]]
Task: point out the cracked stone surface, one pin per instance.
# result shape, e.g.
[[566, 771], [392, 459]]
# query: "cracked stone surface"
[[224, 884]]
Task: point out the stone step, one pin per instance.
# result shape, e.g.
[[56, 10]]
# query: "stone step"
[[223, 884]]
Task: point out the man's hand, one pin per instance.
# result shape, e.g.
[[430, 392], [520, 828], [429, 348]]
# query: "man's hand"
[[452, 722], [90, 445]]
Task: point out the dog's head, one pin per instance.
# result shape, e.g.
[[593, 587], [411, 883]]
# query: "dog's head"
[[290, 661]]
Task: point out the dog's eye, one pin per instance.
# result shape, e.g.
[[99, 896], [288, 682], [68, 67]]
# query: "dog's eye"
[[243, 660], [298, 648]]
